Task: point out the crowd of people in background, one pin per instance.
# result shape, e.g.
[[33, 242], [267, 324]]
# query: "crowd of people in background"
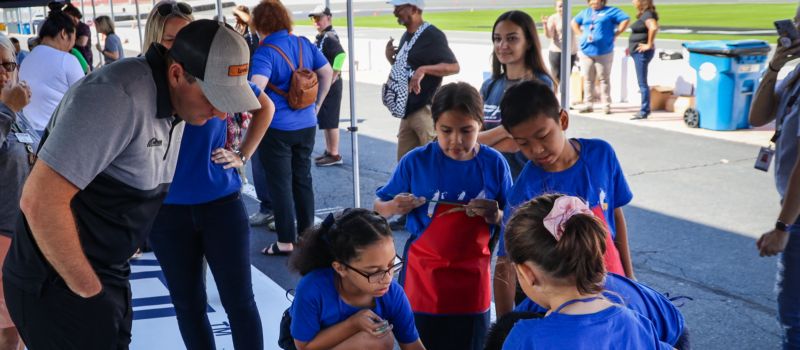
[[99, 159]]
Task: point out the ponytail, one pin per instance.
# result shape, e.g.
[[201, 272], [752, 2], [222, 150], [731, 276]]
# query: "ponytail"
[[56, 21], [338, 238], [577, 256]]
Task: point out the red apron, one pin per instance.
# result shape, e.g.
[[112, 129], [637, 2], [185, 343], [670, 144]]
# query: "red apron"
[[612, 259], [448, 267]]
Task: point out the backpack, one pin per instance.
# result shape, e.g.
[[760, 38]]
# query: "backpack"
[[303, 85]]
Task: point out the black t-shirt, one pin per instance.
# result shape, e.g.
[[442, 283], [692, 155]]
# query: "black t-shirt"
[[430, 48], [328, 43], [639, 30]]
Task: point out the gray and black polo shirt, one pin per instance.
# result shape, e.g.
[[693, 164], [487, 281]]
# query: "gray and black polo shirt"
[[115, 138]]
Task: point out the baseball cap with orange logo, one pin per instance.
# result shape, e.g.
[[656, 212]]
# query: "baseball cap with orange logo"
[[219, 58]]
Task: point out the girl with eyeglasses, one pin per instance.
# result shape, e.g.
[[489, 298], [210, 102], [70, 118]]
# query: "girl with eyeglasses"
[[347, 298], [452, 190]]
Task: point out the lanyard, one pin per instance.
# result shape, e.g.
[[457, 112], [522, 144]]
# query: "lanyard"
[[573, 301]]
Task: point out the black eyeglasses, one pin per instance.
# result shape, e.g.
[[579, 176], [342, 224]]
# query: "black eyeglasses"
[[9, 66], [377, 277], [174, 8]]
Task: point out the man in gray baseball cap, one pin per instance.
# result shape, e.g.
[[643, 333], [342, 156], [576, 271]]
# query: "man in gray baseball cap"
[[105, 163]]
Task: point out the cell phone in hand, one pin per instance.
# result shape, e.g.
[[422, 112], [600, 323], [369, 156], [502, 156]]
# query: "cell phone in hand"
[[787, 29]]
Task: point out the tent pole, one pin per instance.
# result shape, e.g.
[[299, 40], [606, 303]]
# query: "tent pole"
[[353, 122], [219, 11], [139, 26], [566, 54], [96, 33]]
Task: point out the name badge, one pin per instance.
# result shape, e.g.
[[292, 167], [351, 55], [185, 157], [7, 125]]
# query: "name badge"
[[764, 158], [24, 137]]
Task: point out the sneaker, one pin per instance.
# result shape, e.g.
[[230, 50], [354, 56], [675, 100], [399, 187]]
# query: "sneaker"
[[329, 160], [639, 116], [324, 154], [586, 109], [607, 110], [260, 218]]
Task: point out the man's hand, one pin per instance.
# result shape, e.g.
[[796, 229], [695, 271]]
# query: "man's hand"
[[16, 96], [415, 84], [784, 55], [391, 51], [772, 242]]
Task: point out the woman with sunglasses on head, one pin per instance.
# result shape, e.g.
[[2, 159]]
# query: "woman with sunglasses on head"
[[285, 153], [347, 298], [203, 216], [597, 27], [164, 21], [17, 147], [50, 69]]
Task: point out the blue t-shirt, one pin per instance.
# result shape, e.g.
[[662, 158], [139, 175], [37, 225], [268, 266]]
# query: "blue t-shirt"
[[197, 179], [426, 171], [491, 98], [114, 44], [615, 328], [596, 177], [600, 26], [317, 305], [666, 318], [269, 63]]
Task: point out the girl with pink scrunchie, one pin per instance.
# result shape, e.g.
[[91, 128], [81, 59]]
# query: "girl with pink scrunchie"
[[556, 245]]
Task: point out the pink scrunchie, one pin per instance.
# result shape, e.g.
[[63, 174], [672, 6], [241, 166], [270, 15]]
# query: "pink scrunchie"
[[563, 209]]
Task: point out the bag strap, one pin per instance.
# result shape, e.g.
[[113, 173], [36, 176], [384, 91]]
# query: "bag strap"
[[287, 57], [300, 47]]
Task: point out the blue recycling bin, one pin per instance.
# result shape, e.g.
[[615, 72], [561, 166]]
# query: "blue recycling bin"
[[26, 28], [727, 77]]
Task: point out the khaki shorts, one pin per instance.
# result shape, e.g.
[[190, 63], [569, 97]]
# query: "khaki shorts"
[[416, 129]]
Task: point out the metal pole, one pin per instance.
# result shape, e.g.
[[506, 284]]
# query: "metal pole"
[[83, 9], [219, 11], [353, 126], [328, 3], [30, 20], [566, 54], [96, 34], [139, 26], [111, 4]]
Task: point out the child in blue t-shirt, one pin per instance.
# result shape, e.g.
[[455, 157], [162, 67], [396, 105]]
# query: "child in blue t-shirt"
[[557, 247], [667, 319], [586, 168], [452, 191], [347, 296]]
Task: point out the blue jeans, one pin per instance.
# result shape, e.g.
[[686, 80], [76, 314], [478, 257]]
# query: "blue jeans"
[[788, 286], [641, 60], [260, 183], [218, 230]]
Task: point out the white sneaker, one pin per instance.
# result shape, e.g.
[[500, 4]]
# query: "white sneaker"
[[260, 218]]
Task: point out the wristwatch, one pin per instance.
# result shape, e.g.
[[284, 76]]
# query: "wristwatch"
[[242, 157], [781, 226]]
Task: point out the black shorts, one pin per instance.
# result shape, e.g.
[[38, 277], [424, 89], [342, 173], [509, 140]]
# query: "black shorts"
[[56, 318], [328, 117]]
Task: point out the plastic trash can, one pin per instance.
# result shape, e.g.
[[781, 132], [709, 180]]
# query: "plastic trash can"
[[26, 28], [727, 77]]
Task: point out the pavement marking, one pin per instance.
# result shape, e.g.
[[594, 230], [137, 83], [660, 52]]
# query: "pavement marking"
[[154, 322]]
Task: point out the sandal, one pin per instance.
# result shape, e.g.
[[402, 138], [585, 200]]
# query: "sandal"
[[273, 250]]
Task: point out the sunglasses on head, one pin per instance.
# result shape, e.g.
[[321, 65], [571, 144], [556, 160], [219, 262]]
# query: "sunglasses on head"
[[174, 8]]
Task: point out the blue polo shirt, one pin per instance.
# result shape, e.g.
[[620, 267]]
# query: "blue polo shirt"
[[269, 63], [600, 25], [667, 319], [197, 179]]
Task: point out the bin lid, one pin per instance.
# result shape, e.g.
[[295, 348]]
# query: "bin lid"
[[729, 48]]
